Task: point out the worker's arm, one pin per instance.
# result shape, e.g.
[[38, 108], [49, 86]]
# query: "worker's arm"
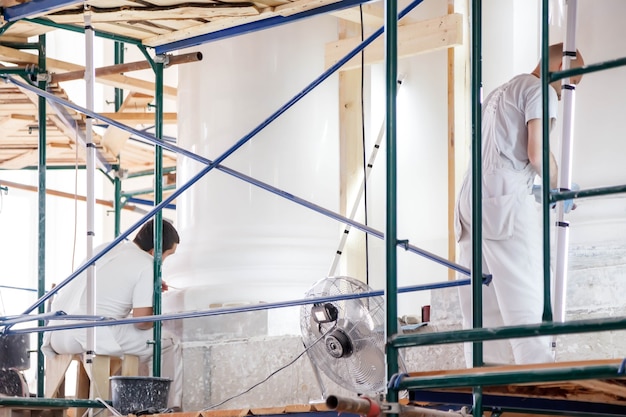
[[535, 151], [143, 312]]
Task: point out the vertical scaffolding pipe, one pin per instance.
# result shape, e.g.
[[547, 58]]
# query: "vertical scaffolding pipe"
[[545, 166], [117, 180], [477, 224], [90, 74], [41, 205], [477, 208], [158, 217], [117, 200], [565, 167], [391, 295]]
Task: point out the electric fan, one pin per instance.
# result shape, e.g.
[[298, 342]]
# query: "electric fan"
[[345, 338]]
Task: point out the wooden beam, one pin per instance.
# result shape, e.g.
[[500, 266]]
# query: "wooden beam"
[[353, 258], [114, 80], [301, 6], [140, 118], [205, 28], [114, 138], [373, 14], [413, 39], [459, 120], [26, 159], [510, 368], [14, 122], [125, 14]]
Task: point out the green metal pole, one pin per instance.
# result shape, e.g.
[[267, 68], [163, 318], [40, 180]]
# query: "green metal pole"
[[41, 248], [158, 218], [117, 202], [521, 376], [117, 181], [477, 224], [391, 241], [508, 332], [545, 61], [477, 250]]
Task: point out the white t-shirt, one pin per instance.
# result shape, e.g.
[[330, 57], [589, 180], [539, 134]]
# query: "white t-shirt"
[[124, 280], [520, 102]]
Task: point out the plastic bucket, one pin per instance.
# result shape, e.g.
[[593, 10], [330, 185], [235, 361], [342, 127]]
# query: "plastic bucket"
[[132, 394], [14, 351]]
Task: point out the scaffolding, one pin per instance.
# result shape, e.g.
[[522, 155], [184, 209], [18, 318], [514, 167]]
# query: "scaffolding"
[[476, 380]]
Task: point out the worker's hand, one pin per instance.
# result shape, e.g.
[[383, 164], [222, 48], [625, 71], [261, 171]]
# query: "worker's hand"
[[164, 286]]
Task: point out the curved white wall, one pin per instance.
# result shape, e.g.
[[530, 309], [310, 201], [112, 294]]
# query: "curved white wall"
[[239, 241]]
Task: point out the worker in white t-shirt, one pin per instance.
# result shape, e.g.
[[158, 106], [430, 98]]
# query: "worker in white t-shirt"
[[512, 144], [124, 288]]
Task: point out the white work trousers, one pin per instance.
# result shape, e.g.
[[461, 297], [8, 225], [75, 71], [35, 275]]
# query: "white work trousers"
[[127, 339], [515, 296]]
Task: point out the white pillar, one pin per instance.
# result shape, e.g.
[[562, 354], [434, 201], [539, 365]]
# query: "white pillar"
[[239, 242]]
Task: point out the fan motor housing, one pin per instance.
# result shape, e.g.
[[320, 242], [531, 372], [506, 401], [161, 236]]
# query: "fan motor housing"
[[338, 344]]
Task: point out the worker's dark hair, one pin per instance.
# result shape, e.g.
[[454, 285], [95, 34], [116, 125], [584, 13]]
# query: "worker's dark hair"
[[145, 236]]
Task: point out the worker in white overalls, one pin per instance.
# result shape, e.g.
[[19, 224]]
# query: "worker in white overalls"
[[512, 238]]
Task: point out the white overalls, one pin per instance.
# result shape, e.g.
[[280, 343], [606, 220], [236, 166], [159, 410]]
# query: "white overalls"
[[512, 250]]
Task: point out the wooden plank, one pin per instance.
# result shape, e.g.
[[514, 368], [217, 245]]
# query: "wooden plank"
[[23, 160], [140, 118], [225, 413], [603, 386], [114, 139], [15, 122], [205, 28], [508, 368], [373, 14], [152, 14], [413, 39], [301, 6], [351, 153], [299, 408], [267, 411]]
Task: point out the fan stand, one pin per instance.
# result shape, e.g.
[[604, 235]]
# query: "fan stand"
[[318, 378]]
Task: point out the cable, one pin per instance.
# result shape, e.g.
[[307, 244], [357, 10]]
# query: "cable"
[[273, 373]]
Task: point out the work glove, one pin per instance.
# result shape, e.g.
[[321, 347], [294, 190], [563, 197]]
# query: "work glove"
[[568, 205]]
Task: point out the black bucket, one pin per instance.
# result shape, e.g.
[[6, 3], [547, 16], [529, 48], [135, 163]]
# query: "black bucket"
[[14, 351], [139, 394]]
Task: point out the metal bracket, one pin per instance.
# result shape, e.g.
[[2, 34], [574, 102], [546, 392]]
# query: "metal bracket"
[[121, 173], [390, 408], [42, 76], [162, 59]]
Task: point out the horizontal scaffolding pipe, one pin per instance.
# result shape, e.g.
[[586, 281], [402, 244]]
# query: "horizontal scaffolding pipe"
[[592, 192], [522, 376], [50, 402], [508, 332], [126, 67], [572, 72], [63, 194], [8, 287], [97, 321]]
